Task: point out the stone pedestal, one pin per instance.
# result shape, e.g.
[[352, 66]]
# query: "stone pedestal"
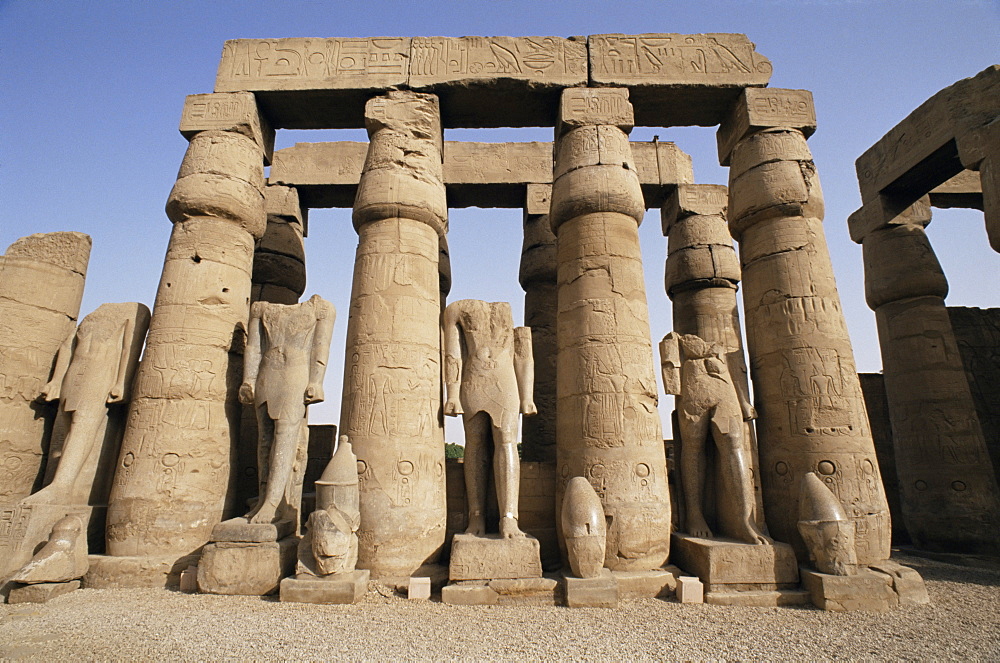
[[338, 589], [654, 584], [812, 413], [493, 557], [392, 375], [125, 572], [599, 592], [608, 426], [173, 476], [868, 591], [520, 591], [249, 569], [41, 592]]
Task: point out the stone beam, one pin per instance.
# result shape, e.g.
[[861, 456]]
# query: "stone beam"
[[965, 190], [475, 174], [925, 149], [306, 83]]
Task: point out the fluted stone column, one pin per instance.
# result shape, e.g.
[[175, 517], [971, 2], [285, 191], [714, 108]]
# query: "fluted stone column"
[[812, 415], [608, 426], [950, 500], [702, 276], [279, 276], [392, 392], [537, 275], [41, 286], [173, 475]]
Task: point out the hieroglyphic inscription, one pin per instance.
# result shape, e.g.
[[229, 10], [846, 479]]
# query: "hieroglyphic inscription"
[[713, 59], [552, 59]]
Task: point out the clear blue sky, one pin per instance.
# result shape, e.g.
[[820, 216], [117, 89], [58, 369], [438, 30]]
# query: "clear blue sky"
[[91, 94]]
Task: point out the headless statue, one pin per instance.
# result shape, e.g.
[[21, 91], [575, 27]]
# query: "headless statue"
[[709, 404], [283, 369], [489, 378], [94, 368]]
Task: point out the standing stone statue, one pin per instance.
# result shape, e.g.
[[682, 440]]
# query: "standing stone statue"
[[284, 366], [94, 369], [489, 375], [710, 404]]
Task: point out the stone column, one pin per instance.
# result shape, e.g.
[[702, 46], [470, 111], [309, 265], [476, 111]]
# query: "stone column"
[[41, 285], [950, 500], [538, 278], [811, 411], [392, 392], [702, 276], [279, 276], [173, 476], [608, 427]]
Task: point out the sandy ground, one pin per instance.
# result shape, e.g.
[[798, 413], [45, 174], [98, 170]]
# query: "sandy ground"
[[962, 622]]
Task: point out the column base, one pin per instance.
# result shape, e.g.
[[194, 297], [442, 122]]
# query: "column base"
[[338, 589], [599, 592], [108, 572], [655, 584], [504, 591], [41, 592]]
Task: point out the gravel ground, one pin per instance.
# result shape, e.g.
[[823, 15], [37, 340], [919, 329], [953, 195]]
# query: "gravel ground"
[[962, 622]]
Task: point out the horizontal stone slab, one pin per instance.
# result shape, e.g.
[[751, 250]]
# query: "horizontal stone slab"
[[311, 83], [965, 190], [475, 174]]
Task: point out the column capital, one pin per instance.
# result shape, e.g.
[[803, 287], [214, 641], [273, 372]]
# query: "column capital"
[[589, 106], [693, 200], [765, 108], [283, 202], [884, 213], [228, 111]]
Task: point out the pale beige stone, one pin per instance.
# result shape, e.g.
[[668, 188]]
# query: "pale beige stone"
[[36, 323], [42, 592], [678, 79], [128, 571], [492, 557], [339, 589], [584, 530], [608, 427], [174, 469], [759, 599], [331, 543], [950, 497], [658, 583], [189, 580], [247, 569], [812, 415], [867, 591], [392, 377], [826, 529], [469, 595], [906, 582], [690, 590], [489, 378], [726, 562], [763, 108], [419, 589], [62, 558], [600, 591], [227, 111]]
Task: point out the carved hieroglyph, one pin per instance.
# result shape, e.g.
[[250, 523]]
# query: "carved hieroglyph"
[[392, 390], [173, 475], [950, 499], [702, 275], [812, 414], [608, 426], [91, 381], [537, 275], [34, 323], [489, 377], [284, 365]]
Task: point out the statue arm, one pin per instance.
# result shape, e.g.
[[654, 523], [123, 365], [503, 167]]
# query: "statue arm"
[[524, 369], [738, 374], [670, 364], [52, 390], [452, 362], [251, 356], [117, 393], [326, 315]]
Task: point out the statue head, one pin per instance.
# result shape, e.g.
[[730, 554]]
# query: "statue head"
[[827, 531]]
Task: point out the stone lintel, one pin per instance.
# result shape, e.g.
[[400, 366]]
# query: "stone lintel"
[[693, 199], [227, 111], [965, 190], [583, 107], [883, 213], [475, 174], [765, 108]]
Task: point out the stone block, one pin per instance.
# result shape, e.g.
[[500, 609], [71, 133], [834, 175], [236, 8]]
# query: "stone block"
[[41, 592], [868, 591], [125, 572], [658, 583], [419, 588], [882, 213], [759, 599], [538, 197], [227, 111], [599, 592], [469, 595], [239, 530], [677, 79], [719, 561], [690, 590], [493, 557], [584, 107], [248, 569], [338, 589], [906, 582], [964, 191], [29, 527], [282, 201], [693, 199], [765, 108], [189, 580]]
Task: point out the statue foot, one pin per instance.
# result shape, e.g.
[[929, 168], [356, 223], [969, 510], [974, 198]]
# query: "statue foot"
[[755, 536], [699, 528], [263, 514], [509, 528], [477, 526]]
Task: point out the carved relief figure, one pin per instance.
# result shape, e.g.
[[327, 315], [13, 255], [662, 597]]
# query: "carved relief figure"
[[710, 404], [284, 366], [489, 377], [94, 368]]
